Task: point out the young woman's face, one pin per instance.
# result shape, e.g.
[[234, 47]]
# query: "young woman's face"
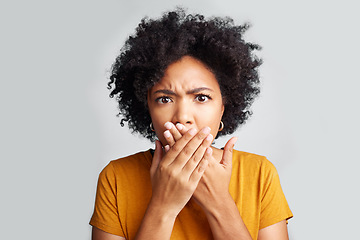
[[188, 94]]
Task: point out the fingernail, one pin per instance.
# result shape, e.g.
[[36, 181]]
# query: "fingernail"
[[192, 131], [179, 126], [167, 134], [167, 148], [209, 137], [206, 130], [168, 125], [203, 166]]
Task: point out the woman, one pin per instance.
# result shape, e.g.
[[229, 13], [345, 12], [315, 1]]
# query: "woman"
[[185, 81]]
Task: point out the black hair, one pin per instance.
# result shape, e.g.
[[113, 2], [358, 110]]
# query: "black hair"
[[217, 42]]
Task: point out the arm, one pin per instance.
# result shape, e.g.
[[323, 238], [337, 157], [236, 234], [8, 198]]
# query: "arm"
[[214, 198], [219, 207], [225, 221], [174, 177], [277, 231], [98, 234]]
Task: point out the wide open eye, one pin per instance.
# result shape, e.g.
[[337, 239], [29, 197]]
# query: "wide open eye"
[[202, 98], [163, 100]]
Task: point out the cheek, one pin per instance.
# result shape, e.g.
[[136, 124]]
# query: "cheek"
[[158, 119], [161, 138], [217, 116], [210, 117]]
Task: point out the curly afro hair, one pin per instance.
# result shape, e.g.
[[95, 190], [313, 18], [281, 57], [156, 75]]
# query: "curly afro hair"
[[217, 42]]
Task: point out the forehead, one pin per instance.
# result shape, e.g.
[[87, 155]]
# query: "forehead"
[[186, 74]]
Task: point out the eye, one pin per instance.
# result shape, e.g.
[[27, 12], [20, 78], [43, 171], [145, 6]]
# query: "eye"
[[202, 98], [163, 100]]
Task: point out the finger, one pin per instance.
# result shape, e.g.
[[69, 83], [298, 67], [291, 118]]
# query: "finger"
[[226, 160], [189, 150], [198, 155], [174, 132], [208, 153], [201, 167], [169, 138], [182, 129], [157, 157], [178, 147]]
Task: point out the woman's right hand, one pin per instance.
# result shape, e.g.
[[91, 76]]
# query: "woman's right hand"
[[176, 173]]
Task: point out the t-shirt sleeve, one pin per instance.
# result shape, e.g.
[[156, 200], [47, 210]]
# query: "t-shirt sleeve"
[[274, 207], [105, 216]]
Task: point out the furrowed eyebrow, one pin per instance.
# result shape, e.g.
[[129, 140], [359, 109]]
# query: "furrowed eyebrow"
[[192, 91], [196, 90], [165, 91]]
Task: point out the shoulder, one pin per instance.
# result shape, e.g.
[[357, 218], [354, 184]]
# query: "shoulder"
[[253, 168], [251, 160], [143, 158], [259, 182], [140, 161]]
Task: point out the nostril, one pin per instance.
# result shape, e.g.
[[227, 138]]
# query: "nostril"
[[187, 123]]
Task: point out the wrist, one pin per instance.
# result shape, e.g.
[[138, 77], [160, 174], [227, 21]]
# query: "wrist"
[[222, 206], [225, 220], [161, 213], [156, 224]]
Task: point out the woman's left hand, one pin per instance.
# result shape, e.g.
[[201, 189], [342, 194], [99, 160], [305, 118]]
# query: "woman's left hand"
[[213, 188]]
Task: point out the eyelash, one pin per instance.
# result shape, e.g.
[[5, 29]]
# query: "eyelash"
[[159, 99], [203, 95]]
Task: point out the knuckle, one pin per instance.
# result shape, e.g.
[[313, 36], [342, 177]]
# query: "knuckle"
[[200, 136], [176, 148], [161, 168], [187, 151], [188, 136], [170, 173], [195, 158], [183, 181]]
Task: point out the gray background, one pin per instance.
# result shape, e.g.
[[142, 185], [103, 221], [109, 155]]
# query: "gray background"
[[58, 127]]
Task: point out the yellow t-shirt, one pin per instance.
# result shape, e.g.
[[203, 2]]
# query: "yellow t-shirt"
[[124, 191]]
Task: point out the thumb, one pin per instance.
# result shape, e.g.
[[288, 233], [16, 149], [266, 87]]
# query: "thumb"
[[226, 160], [157, 157]]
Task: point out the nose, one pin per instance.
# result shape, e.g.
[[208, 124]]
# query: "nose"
[[183, 114]]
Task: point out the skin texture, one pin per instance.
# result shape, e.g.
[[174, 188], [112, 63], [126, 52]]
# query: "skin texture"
[[188, 94], [186, 107]]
